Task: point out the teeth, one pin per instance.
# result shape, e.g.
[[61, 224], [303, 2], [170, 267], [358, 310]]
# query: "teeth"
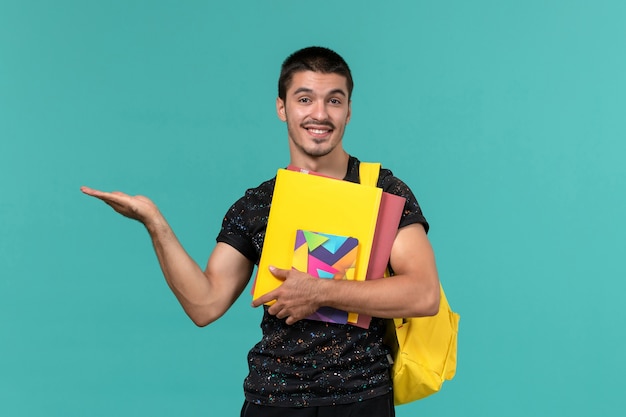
[[318, 131]]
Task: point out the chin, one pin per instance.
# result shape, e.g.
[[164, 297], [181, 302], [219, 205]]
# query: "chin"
[[318, 153]]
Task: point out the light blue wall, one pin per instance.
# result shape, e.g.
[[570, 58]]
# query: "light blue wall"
[[506, 118]]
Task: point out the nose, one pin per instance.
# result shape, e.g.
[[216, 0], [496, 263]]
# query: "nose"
[[319, 110]]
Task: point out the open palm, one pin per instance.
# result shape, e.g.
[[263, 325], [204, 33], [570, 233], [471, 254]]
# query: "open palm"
[[134, 207]]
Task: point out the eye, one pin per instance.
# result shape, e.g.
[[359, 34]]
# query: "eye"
[[335, 101], [304, 100]]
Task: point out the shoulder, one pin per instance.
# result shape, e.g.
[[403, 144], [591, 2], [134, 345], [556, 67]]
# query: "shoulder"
[[261, 190], [257, 195], [386, 179], [393, 185]]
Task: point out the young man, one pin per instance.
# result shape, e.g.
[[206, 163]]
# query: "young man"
[[303, 367]]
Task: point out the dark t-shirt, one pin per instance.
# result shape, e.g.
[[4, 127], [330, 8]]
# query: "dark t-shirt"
[[311, 363]]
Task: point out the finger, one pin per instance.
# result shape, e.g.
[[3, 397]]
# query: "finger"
[[265, 298], [275, 310], [96, 193], [279, 273], [281, 314], [114, 198], [89, 191]]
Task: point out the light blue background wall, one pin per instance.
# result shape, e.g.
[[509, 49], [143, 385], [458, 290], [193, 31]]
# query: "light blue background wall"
[[506, 118]]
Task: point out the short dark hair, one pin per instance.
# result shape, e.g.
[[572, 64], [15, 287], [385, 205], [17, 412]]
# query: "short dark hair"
[[313, 58]]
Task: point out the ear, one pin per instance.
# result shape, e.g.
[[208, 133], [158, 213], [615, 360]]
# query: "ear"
[[280, 109], [349, 112]]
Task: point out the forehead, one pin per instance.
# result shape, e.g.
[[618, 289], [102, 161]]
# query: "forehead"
[[318, 83]]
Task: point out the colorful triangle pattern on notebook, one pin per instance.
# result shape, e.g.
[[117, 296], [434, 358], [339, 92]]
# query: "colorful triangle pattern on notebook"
[[326, 256]]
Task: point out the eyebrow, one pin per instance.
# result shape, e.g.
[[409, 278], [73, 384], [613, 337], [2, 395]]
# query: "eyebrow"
[[308, 90]]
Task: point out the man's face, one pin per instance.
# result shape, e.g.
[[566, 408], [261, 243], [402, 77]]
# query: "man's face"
[[317, 110]]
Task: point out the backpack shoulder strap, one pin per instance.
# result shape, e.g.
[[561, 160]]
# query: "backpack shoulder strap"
[[368, 173]]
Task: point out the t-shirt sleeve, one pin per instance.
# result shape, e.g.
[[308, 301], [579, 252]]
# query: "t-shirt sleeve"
[[235, 231], [245, 222], [412, 211]]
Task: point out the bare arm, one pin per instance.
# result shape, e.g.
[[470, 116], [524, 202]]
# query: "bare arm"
[[205, 296], [413, 291]]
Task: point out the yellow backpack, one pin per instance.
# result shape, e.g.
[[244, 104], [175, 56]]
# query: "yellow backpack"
[[424, 348]]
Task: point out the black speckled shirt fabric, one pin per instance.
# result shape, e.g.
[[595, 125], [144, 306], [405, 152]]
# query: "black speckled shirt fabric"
[[311, 363]]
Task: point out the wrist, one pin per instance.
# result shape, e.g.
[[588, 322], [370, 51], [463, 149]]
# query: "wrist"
[[323, 291], [156, 224]]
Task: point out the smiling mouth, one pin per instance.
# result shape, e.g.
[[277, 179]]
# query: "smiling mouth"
[[318, 131]]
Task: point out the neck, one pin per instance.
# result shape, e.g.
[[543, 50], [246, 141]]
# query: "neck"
[[334, 165]]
